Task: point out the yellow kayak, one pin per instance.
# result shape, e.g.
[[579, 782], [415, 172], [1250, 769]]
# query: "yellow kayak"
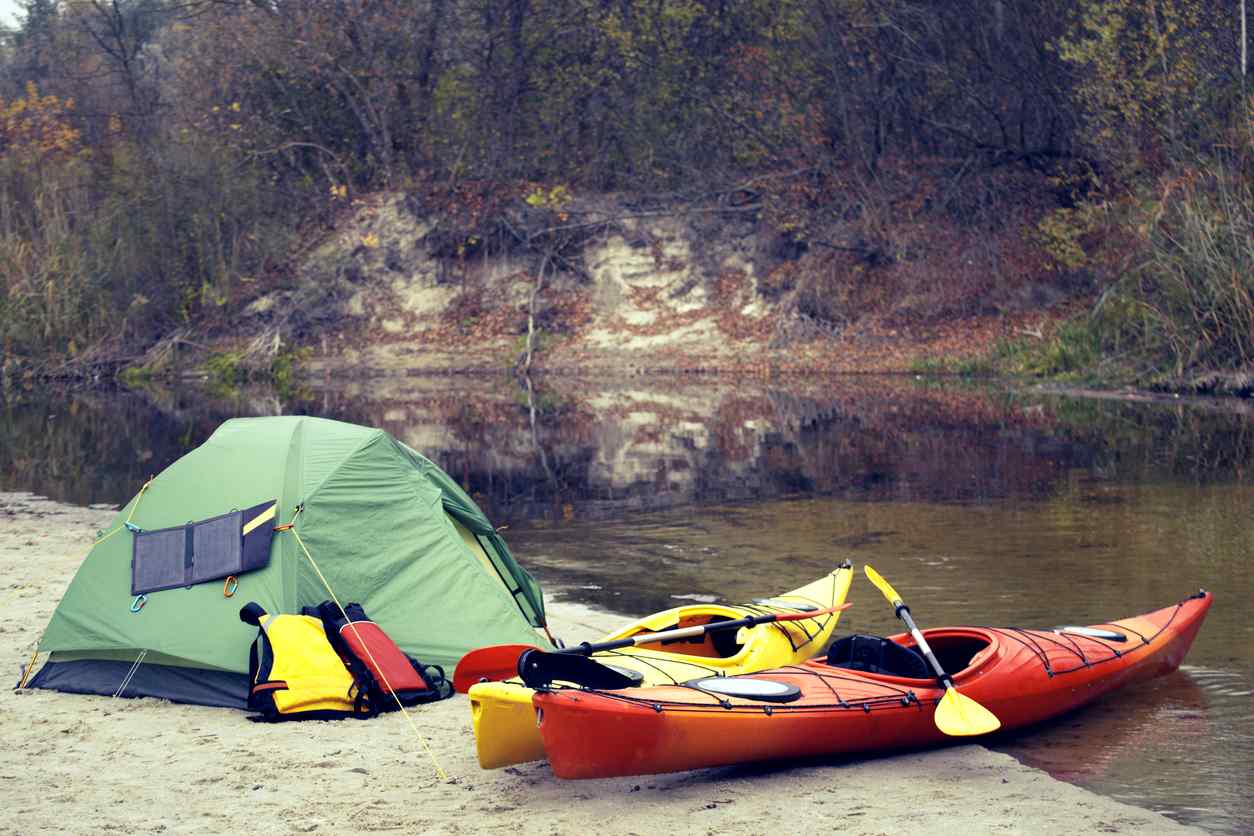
[[501, 712]]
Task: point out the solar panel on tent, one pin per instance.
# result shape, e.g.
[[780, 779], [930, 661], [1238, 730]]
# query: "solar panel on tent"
[[229, 544], [157, 560]]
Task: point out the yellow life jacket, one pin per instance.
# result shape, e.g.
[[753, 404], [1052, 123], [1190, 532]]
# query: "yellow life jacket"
[[295, 672]]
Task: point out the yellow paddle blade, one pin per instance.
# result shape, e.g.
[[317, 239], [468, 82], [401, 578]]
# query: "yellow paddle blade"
[[960, 716], [882, 585]]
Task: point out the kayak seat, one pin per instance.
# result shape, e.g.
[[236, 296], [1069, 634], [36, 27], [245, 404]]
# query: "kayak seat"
[[875, 654], [724, 641]]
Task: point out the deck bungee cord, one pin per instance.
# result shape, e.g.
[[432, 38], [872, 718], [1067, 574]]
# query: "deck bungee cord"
[[899, 696], [1035, 639]]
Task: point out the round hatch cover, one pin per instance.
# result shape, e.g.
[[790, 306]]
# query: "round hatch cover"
[[765, 690]]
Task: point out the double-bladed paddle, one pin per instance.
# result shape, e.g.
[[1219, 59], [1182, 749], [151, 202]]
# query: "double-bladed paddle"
[[503, 661], [956, 714]]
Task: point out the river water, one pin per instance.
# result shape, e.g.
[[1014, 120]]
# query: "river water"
[[982, 505]]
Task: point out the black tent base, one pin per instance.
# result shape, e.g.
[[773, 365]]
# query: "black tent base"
[[167, 682]]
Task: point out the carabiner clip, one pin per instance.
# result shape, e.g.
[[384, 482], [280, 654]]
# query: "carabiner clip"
[[229, 586], [138, 603]]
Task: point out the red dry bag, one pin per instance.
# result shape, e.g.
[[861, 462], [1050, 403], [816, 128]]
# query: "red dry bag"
[[385, 675]]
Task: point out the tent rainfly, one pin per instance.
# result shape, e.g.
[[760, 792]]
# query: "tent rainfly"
[[276, 510]]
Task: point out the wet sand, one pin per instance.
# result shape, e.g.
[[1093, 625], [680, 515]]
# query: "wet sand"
[[93, 764]]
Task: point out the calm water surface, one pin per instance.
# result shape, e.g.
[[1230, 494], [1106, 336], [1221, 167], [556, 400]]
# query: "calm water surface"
[[981, 506]]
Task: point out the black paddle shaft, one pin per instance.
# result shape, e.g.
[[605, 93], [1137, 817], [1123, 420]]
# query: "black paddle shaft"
[[588, 648], [903, 612], [539, 669]]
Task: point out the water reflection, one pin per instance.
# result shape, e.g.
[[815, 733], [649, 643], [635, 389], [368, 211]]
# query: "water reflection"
[[982, 505], [600, 450], [1153, 746]]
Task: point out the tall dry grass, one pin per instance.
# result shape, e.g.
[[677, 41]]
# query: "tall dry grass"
[[1188, 304], [103, 251]]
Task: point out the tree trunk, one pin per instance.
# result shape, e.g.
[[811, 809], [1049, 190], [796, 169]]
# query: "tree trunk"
[[529, 352], [1244, 43]]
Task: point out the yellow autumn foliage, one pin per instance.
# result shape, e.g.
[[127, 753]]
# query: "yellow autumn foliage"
[[35, 127]]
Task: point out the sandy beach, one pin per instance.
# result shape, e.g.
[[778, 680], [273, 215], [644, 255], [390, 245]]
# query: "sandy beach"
[[95, 764]]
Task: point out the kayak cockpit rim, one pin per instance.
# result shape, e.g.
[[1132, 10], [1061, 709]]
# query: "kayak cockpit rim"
[[717, 644], [961, 651]]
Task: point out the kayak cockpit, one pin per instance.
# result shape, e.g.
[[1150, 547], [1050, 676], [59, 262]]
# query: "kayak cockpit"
[[714, 644], [958, 651]]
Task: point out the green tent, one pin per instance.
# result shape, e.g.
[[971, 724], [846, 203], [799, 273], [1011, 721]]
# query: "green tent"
[[373, 520]]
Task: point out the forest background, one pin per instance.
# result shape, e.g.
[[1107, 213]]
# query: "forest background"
[[163, 163]]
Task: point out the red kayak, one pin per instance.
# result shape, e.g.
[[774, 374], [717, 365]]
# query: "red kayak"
[[868, 695]]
